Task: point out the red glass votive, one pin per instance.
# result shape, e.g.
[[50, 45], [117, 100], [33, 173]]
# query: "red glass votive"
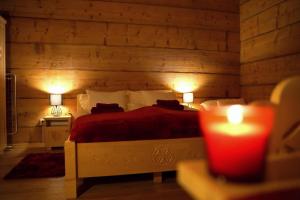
[[237, 149]]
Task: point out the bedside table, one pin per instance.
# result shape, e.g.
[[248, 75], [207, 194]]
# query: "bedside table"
[[55, 130], [193, 107]]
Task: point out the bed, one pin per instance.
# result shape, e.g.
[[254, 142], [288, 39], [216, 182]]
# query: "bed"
[[109, 158]]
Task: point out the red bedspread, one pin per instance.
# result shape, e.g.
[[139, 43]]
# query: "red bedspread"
[[140, 124]]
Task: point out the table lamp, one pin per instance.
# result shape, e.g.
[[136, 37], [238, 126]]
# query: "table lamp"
[[188, 98], [56, 102]]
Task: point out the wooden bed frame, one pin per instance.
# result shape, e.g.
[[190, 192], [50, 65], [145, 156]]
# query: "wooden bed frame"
[[84, 160]]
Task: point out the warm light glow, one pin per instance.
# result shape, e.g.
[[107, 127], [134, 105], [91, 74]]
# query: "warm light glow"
[[188, 97], [57, 89], [184, 86], [235, 114], [55, 99], [57, 86]]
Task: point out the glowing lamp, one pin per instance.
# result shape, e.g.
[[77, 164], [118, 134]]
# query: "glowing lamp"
[[236, 140], [188, 97], [56, 102]]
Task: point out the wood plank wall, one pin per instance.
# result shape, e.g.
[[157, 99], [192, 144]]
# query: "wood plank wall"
[[270, 45], [119, 44]]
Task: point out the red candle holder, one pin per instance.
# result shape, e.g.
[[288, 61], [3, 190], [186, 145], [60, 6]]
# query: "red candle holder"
[[236, 139]]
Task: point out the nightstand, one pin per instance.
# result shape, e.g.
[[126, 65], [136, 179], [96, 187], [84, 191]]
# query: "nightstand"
[[193, 107], [55, 130]]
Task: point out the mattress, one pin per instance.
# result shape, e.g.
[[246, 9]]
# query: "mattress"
[[141, 124]]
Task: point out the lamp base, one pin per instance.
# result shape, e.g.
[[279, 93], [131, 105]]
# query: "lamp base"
[[189, 105], [56, 111]]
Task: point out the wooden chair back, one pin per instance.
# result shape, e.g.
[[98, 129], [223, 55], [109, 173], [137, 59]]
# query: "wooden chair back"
[[286, 132]]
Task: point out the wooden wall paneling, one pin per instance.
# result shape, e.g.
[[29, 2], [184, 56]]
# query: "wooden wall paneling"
[[253, 7], [32, 110], [221, 5], [289, 12], [259, 48], [26, 30], [113, 34], [217, 91], [243, 1], [281, 42], [207, 91], [125, 13], [270, 71], [278, 16], [31, 82], [233, 42], [92, 57], [165, 37], [270, 45], [113, 45], [259, 24], [256, 92]]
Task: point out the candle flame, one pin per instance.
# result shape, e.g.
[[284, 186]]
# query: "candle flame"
[[235, 114]]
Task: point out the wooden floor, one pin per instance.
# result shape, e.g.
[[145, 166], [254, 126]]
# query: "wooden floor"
[[113, 188]]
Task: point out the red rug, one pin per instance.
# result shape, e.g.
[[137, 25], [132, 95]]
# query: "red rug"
[[39, 165]]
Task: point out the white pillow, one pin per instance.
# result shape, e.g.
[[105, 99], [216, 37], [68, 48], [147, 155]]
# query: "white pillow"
[[209, 104], [83, 104], [139, 99], [133, 106], [221, 102], [119, 97]]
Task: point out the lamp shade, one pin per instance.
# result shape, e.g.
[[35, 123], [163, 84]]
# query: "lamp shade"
[[55, 99], [188, 97]]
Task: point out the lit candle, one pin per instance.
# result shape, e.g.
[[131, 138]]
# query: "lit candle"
[[236, 140]]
